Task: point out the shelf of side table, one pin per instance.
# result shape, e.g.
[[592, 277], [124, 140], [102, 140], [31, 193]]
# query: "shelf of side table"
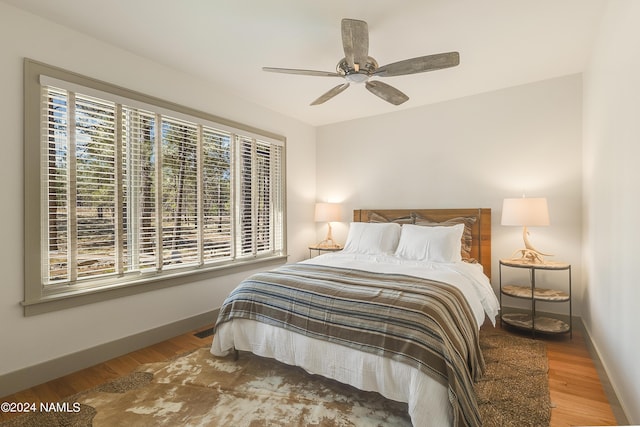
[[532, 321]]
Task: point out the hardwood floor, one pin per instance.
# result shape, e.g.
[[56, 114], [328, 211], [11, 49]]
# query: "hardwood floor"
[[577, 393]]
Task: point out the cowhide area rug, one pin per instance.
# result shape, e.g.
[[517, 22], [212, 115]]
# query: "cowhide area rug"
[[198, 389]]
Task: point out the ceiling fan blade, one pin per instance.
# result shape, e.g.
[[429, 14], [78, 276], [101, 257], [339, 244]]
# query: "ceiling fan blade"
[[355, 41], [301, 72], [419, 65], [330, 94], [386, 92]]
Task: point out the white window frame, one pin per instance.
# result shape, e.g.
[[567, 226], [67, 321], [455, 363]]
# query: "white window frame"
[[43, 295]]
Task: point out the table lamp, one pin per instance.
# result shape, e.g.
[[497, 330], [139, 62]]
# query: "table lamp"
[[526, 212], [328, 212]]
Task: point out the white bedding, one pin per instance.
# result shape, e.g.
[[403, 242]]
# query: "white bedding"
[[468, 277], [427, 399]]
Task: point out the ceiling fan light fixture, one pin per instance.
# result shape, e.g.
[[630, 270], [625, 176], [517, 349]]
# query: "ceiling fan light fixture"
[[357, 77]]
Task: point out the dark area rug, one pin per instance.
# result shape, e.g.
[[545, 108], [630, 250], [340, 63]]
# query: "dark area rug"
[[515, 388], [199, 389]]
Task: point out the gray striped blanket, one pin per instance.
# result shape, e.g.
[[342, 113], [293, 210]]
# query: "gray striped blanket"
[[426, 324]]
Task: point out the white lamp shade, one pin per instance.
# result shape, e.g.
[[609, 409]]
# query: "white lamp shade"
[[525, 212], [328, 212]]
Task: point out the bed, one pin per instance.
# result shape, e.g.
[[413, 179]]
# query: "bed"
[[397, 311]]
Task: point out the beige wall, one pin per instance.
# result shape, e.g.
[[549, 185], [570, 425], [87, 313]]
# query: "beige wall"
[[611, 298], [29, 341]]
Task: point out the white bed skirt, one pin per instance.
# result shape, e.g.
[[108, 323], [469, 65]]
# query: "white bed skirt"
[[427, 399]]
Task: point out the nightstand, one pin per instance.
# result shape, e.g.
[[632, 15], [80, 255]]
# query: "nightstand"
[[321, 249], [530, 320]]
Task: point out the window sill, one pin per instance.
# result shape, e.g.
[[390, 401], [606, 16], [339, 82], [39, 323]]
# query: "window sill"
[[62, 301]]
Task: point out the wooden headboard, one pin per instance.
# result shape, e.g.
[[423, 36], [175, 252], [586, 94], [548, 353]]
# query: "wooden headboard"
[[481, 229]]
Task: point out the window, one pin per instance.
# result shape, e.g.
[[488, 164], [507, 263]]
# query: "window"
[[133, 190]]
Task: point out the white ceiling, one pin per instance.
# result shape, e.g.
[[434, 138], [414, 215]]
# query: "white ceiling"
[[502, 43]]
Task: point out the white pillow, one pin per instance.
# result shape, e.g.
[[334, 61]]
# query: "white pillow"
[[438, 244], [372, 238]]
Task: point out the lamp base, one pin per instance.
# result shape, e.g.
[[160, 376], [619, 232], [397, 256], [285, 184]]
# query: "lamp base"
[[529, 256], [328, 242]]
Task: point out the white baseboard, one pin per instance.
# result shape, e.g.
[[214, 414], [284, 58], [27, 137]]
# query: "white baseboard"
[[609, 389], [21, 379]]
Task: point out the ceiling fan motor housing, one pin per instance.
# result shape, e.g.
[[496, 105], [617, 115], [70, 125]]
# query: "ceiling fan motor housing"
[[360, 73]]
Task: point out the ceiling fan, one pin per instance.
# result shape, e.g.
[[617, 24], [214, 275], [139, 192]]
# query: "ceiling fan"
[[358, 67]]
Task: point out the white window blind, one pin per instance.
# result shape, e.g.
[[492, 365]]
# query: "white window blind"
[[216, 169], [132, 190], [139, 190]]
